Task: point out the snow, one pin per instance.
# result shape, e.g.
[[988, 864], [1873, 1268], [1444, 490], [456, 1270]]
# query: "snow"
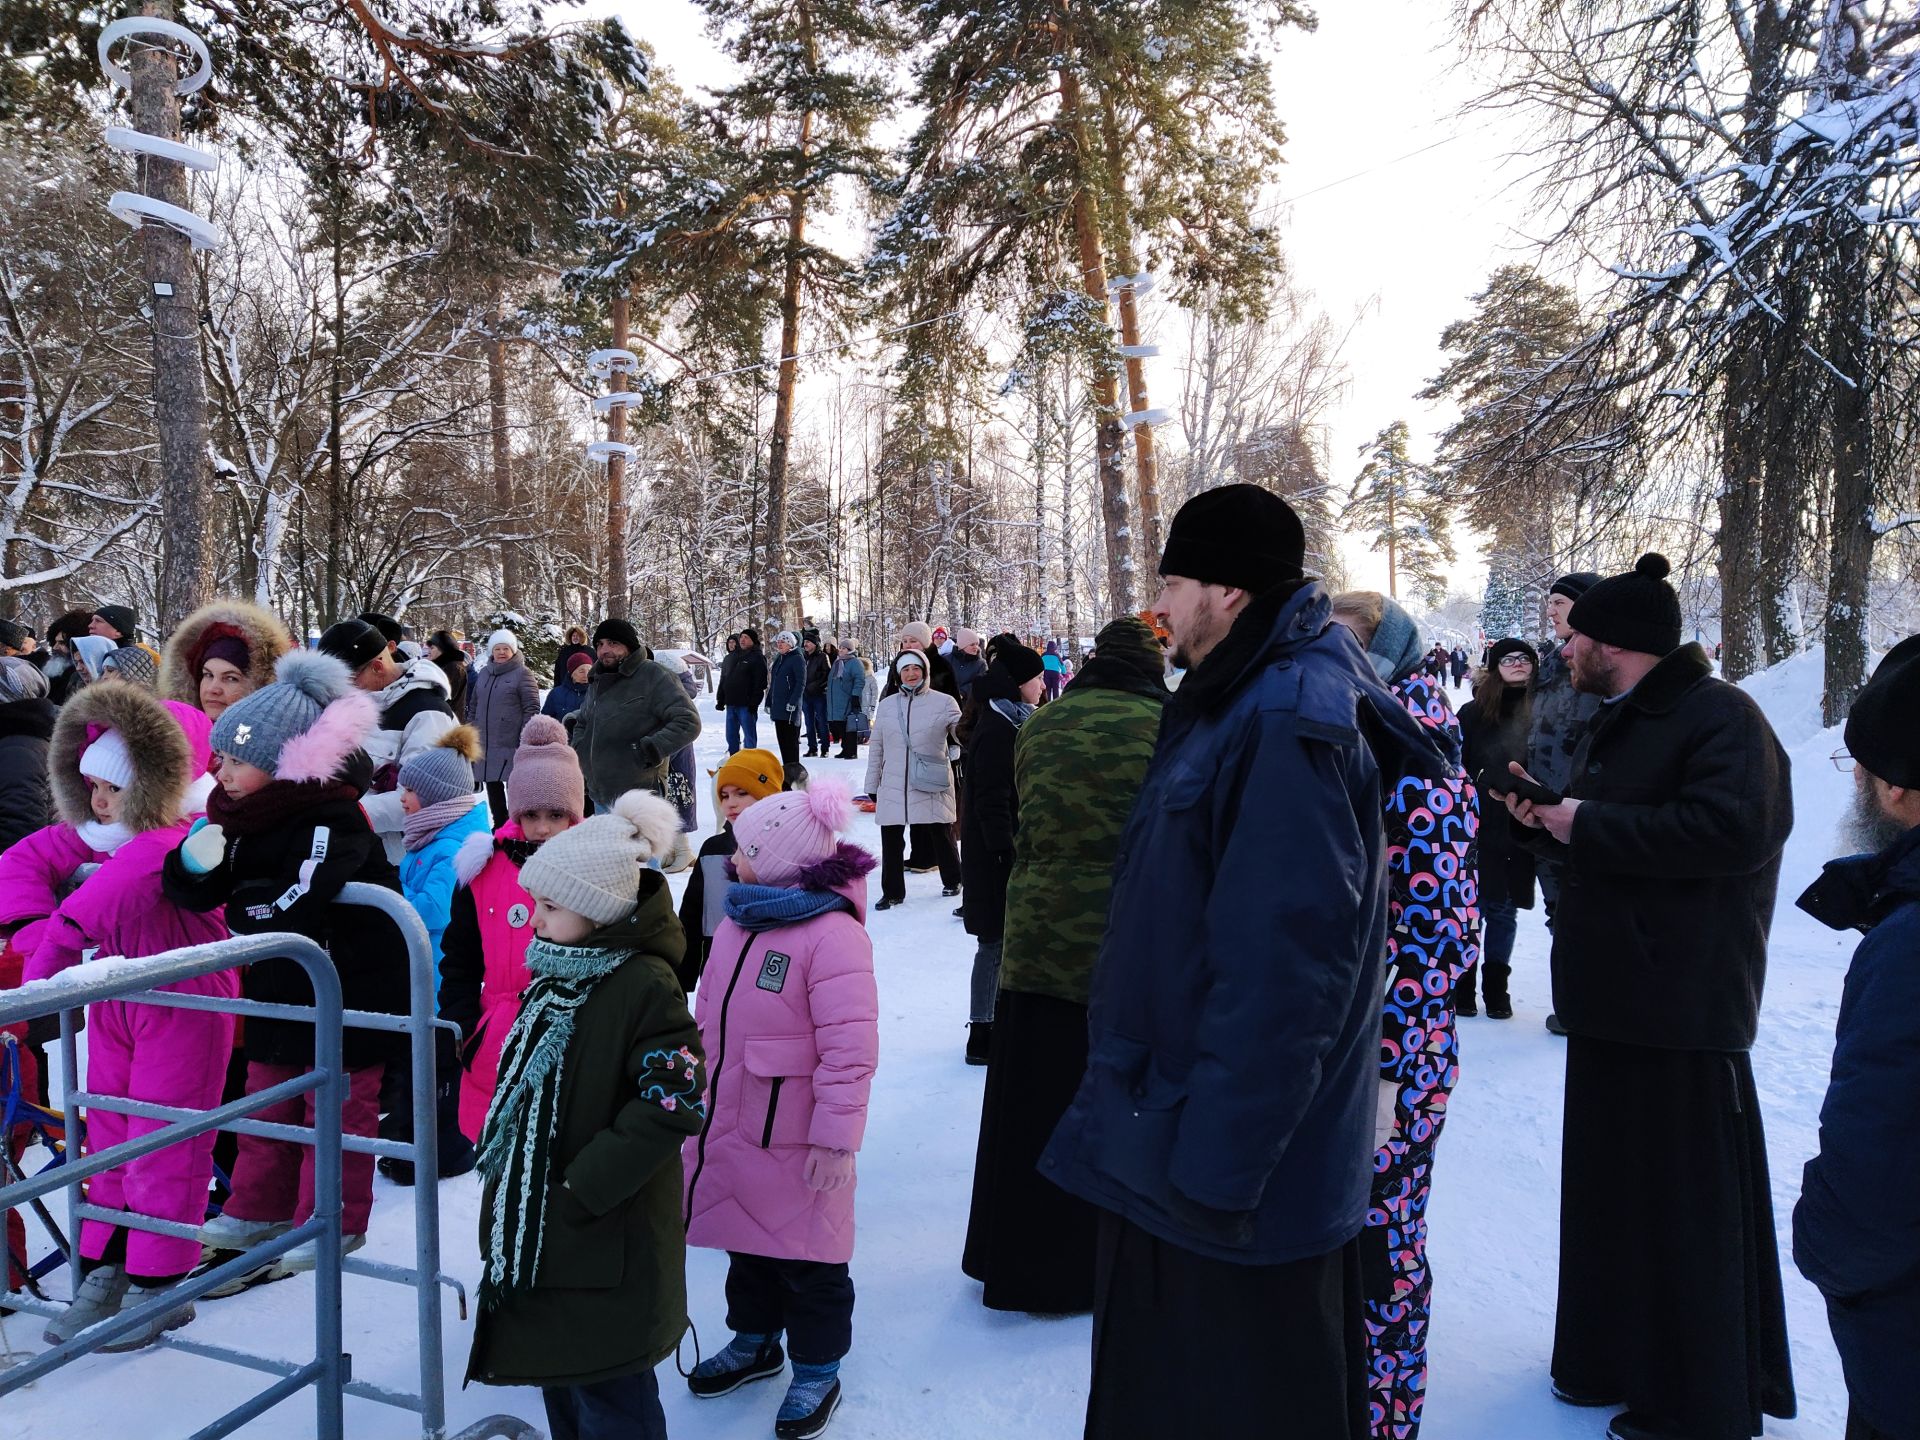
[[928, 1360]]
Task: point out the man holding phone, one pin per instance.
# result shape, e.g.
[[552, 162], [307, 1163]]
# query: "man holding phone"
[[1668, 843]]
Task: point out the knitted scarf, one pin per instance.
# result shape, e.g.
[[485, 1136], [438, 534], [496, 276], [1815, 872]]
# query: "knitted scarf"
[[274, 804], [516, 1144], [429, 820], [767, 907]]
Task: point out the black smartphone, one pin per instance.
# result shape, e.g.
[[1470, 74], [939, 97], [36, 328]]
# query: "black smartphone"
[[1511, 784]]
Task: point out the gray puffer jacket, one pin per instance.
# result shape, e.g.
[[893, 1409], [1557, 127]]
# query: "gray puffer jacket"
[[908, 772], [633, 720], [500, 701], [1560, 718]]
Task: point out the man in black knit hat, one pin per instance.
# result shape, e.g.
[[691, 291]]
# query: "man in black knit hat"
[[1224, 1127], [1668, 846]]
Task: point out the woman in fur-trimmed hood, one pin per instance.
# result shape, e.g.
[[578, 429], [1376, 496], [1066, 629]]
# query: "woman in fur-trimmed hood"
[[220, 653]]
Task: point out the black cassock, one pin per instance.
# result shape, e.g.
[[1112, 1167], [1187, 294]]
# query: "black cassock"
[[1670, 1297]]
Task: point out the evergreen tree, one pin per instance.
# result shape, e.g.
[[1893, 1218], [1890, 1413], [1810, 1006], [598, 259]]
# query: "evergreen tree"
[[1396, 501]]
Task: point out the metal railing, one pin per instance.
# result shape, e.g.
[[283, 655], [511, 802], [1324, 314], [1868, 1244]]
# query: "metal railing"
[[330, 1372]]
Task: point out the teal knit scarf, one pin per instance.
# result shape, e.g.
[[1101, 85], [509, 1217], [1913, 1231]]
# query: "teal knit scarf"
[[516, 1144]]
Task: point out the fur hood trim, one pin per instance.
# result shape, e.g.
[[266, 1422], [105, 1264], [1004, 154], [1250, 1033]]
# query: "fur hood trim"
[[472, 856], [265, 637], [847, 863], [163, 757]]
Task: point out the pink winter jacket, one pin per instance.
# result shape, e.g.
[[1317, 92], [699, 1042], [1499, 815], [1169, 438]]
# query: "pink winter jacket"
[[34, 873], [790, 1022], [120, 910], [504, 913]]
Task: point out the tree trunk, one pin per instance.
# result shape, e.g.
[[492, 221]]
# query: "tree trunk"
[[1850, 563], [336, 364], [510, 578], [1146, 464], [617, 585], [1739, 559], [1105, 390], [1393, 545], [179, 392]]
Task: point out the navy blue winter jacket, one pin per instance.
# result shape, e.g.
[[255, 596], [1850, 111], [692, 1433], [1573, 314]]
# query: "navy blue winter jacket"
[[1234, 1021], [788, 686], [1856, 1230]]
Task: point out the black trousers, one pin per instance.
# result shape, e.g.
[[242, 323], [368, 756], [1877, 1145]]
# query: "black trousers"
[[624, 1408], [1187, 1345], [848, 742], [1858, 1428], [808, 1299], [935, 842], [497, 801], [789, 736]]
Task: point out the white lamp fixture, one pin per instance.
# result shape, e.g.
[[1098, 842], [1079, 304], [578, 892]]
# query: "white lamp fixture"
[[133, 25], [137, 210]]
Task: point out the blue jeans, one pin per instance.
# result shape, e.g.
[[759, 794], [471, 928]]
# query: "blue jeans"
[[1502, 919], [814, 708], [742, 720], [624, 1408]]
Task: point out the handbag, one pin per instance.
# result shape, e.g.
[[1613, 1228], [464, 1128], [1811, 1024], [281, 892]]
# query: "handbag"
[[929, 774]]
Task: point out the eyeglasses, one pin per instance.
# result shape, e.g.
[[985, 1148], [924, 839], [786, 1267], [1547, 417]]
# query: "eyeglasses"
[[1516, 661], [1842, 761]]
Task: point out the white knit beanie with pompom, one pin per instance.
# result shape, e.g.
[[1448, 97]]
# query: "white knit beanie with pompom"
[[594, 868]]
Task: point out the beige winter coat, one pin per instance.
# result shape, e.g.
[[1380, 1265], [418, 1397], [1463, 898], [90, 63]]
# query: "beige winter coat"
[[908, 772]]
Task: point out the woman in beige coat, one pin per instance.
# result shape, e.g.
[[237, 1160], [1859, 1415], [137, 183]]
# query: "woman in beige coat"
[[910, 777]]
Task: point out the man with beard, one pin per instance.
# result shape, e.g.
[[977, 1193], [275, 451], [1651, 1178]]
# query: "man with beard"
[[636, 715], [1224, 1127], [1668, 843], [1856, 1230]]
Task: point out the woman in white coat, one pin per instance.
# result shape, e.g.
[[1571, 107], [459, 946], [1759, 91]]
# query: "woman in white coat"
[[910, 778]]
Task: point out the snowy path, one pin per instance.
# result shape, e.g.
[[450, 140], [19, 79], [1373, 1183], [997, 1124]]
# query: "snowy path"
[[929, 1361]]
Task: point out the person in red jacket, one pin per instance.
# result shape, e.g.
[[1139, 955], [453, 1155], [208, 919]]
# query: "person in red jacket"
[[483, 965]]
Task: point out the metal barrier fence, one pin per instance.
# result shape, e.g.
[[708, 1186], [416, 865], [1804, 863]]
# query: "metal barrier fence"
[[329, 1372]]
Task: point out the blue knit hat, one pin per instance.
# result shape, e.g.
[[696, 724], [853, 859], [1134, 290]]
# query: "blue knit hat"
[[301, 727], [444, 770]]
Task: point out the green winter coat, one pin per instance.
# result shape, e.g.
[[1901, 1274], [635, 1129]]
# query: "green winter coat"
[[632, 722], [610, 1294], [1077, 766]]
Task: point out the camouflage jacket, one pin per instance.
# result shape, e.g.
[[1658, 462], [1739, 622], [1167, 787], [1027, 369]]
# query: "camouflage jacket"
[[1560, 718], [1077, 766]]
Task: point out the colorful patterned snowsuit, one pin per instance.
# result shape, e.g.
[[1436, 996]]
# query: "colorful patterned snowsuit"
[[1433, 938]]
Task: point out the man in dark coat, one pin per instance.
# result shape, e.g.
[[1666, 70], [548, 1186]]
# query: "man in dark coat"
[[635, 716], [1225, 1123], [786, 693], [1669, 846], [814, 703], [1560, 717], [743, 685], [1856, 1230]]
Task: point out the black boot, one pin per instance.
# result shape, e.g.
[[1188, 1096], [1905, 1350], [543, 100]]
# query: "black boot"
[[1464, 1003], [979, 1041]]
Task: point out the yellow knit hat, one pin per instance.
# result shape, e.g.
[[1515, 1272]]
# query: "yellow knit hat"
[[757, 772]]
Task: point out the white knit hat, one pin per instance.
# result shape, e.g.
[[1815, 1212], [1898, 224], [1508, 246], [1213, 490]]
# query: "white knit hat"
[[594, 868], [503, 637], [108, 759]]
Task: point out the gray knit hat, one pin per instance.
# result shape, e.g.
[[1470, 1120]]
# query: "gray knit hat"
[[20, 680], [594, 868], [444, 770], [307, 686]]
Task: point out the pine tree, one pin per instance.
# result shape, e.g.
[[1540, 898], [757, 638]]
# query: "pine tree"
[[1060, 138], [1395, 500]]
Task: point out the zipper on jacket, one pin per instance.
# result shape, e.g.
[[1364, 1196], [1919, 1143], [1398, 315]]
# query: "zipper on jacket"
[[713, 1086], [773, 1104], [906, 770]]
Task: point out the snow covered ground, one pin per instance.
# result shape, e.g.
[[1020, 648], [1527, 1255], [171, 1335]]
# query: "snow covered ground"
[[929, 1361]]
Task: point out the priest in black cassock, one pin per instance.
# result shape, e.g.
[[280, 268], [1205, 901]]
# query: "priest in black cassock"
[[1668, 843]]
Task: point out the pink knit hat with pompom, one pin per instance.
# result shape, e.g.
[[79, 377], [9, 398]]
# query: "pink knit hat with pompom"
[[791, 837], [546, 772]]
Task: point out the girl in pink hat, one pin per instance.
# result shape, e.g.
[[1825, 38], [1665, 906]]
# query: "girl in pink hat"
[[789, 1018]]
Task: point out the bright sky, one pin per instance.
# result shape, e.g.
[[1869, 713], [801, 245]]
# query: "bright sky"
[[1372, 229]]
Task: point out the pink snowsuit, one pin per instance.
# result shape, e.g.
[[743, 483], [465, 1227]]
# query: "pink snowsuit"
[[34, 873], [144, 1052], [790, 1022], [505, 913]]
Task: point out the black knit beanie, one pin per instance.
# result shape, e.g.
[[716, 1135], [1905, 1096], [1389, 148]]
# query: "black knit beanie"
[[1238, 535], [1636, 611], [618, 631], [353, 642], [388, 627], [1575, 585], [1880, 733], [1019, 661], [1512, 645]]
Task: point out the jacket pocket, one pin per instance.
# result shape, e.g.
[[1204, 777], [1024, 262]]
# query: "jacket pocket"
[[777, 1098], [580, 1251]]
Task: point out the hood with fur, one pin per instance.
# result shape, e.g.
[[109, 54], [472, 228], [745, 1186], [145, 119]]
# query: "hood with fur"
[[165, 760], [262, 633]]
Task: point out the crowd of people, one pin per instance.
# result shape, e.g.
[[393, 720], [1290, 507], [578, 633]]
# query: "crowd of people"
[[1233, 884]]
